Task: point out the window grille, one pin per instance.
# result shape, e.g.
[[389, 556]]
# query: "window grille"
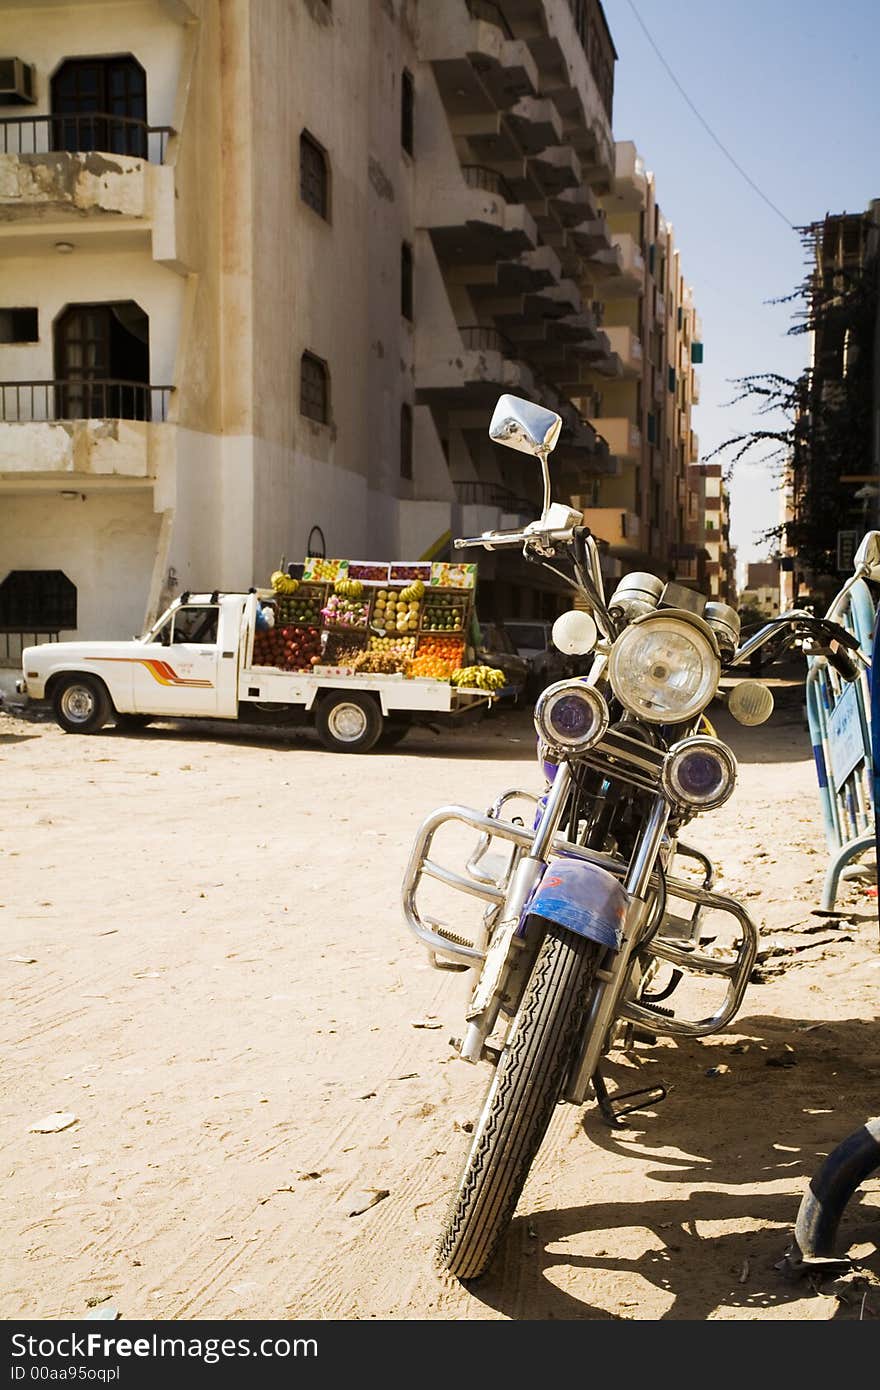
[[314, 388], [313, 176]]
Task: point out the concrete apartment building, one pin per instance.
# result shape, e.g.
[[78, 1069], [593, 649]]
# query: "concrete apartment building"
[[714, 528], [650, 511], [242, 316], [832, 484]]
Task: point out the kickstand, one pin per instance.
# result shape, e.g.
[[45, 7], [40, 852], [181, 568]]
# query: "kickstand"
[[610, 1106]]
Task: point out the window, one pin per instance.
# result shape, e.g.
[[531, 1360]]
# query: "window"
[[37, 601], [406, 280], [196, 624], [314, 178], [19, 326], [100, 104], [314, 388], [406, 441], [407, 110], [102, 355]]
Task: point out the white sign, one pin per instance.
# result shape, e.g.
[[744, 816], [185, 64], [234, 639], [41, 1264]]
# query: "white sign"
[[845, 736]]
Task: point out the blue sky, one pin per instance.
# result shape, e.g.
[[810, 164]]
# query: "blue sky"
[[792, 88]]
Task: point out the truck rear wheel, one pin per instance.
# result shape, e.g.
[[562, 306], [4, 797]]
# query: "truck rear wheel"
[[348, 723], [81, 704]]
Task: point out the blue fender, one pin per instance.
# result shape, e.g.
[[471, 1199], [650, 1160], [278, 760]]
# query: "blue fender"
[[583, 897]]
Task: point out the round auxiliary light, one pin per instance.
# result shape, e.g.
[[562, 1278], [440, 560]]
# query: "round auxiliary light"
[[664, 667], [750, 702], [570, 716], [574, 633], [699, 772]]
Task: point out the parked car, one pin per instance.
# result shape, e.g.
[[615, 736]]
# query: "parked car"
[[497, 649], [533, 642]]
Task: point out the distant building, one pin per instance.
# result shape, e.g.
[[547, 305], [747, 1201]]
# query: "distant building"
[[649, 510], [762, 589], [832, 493]]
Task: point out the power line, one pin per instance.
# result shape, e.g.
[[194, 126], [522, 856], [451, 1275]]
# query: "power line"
[[708, 129]]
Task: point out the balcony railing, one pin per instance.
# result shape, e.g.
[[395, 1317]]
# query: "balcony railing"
[[27, 402], [96, 131], [476, 338], [478, 176], [480, 494]]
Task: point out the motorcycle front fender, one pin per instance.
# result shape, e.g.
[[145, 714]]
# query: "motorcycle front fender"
[[583, 897]]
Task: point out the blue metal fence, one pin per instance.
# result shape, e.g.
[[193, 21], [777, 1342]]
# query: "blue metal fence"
[[839, 716]]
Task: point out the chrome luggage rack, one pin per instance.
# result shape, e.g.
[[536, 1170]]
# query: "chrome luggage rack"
[[448, 948]]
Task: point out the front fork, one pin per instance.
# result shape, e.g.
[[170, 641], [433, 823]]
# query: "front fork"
[[489, 994], [611, 976]]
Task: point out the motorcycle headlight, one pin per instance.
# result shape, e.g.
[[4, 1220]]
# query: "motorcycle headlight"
[[665, 668], [570, 716], [699, 772]]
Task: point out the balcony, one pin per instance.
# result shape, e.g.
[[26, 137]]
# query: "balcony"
[[85, 167], [575, 205], [101, 428], [478, 369], [621, 529], [623, 437], [695, 388], [628, 348], [556, 169], [631, 264], [630, 178], [478, 65], [471, 221], [535, 123], [481, 500], [592, 237], [694, 447]]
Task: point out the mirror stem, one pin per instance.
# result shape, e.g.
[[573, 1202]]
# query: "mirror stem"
[[543, 455]]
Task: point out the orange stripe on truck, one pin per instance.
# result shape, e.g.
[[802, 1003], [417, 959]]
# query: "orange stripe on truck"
[[161, 672]]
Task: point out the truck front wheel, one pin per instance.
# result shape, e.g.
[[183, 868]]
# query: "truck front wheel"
[[81, 704], [348, 723]]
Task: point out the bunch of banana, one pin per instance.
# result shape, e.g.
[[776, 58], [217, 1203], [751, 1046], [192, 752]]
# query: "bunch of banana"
[[349, 588], [413, 591], [283, 584], [483, 677]]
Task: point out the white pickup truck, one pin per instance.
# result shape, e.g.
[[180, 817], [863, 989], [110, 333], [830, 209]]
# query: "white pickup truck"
[[197, 662]]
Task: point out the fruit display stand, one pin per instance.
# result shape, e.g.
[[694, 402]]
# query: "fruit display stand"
[[372, 622]]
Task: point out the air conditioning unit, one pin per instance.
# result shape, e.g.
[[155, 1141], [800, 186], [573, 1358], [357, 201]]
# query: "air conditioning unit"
[[18, 86]]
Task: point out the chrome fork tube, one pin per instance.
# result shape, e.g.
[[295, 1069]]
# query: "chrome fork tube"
[[489, 992], [610, 980]]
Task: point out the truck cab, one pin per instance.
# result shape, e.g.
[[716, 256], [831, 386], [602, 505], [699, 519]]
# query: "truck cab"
[[186, 664]]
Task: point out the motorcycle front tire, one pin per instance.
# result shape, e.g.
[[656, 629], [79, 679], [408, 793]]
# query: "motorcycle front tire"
[[520, 1102]]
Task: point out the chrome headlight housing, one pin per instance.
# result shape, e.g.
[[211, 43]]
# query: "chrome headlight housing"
[[665, 667], [699, 772], [570, 716]]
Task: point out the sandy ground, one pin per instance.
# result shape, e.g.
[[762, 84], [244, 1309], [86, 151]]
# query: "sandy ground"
[[204, 960]]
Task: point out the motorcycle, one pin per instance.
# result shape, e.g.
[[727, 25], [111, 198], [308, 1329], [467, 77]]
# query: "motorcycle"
[[593, 915]]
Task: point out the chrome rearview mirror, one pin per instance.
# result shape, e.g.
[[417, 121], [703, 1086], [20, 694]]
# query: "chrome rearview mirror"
[[530, 428], [525, 426], [867, 557]]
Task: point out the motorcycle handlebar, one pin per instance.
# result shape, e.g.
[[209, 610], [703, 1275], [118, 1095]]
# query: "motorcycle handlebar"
[[498, 540], [798, 618]]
